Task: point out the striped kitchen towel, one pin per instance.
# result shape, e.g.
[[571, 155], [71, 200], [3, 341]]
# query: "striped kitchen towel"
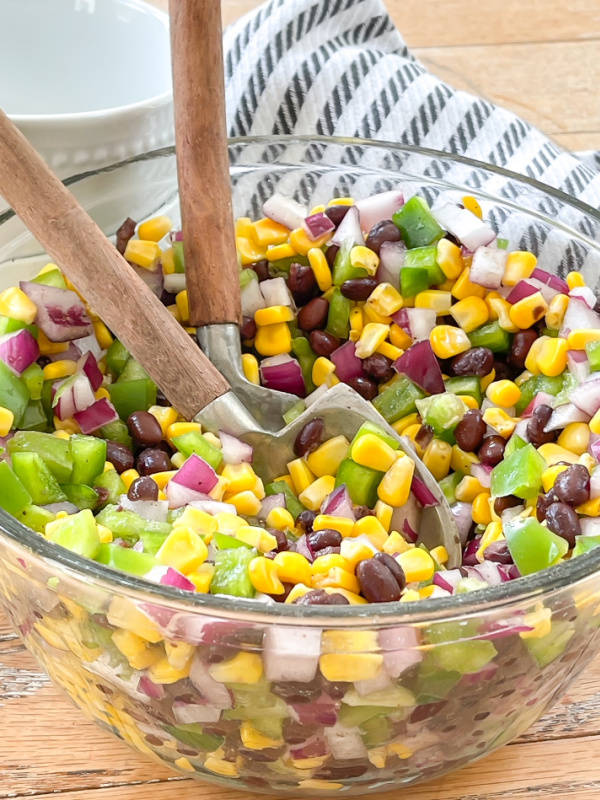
[[340, 68]]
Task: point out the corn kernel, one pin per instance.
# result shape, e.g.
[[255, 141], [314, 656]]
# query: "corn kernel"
[[557, 309], [65, 436], [356, 550], [155, 229], [470, 313], [315, 494], [219, 766], [594, 423], [293, 568], [575, 280], [336, 577], [273, 314], [202, 577], [48, 348], [323, 564], [256, 537], [553, 453], [471, 204], [389, 351], [371, 527], [273, 340], [499, 420], [180, 428], [519, 266], [322, 369], [437, 458], [320, 267], [487, 379], [183, 549], [300, 474], [144, 254], [280, 251], [183, 306], [253, 739], [68, 425], [129, 476], [417, 564], [549, 475], [405, 422], [303, 244], [481, 509], [409, 596], [528, 311], [552, 358], [385, 300], [343, 525], [371, 451], [440, 302], [578, 339], [341, 201], [411, 433], [246, 503], [174, 312], [167, 260], [465, 288], [395, 543], [468, 489], [576, 437], [449, 259], [440, 554], [178, 460], [372, 336], [250, 367], [591, 508], [384, 514], [248, 251], [501, 310], [242, 668], [492, 533], [349, 641], [263, 576], [280, 519], [399, 338], [265, 232], [197, 520], [362, 257], [229, 523], [394, 488], [287, 479], [240, 477], [59, 369], [326, 459], [352, 597], [15, 304], [7, 419], [448, 341], [503, 393]]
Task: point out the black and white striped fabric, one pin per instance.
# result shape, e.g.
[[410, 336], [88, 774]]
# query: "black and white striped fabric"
[[340, 68]]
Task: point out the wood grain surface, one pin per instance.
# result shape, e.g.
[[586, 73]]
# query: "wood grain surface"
[[542, 59]]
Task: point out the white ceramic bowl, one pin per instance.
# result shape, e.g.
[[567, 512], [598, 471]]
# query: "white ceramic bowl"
[[87, 81]]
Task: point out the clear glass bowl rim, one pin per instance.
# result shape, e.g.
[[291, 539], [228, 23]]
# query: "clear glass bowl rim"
[[495, 598]]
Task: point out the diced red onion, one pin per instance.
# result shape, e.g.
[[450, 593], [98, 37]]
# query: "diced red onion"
[[579, 317], [317, 225], [61, 315], [303, 548], [399, 646], [586, 396], [595, 484], [482, 676], [72, 353], [89, 344], [584, 293], [89, 366], [173, 577], [520, 291], [448, 579], [196, 474], [284, 210], [423, 494], [338, 504], [547, 292], [590, 526], [378, 207], [541, 399], [175, 282], [550, 280], [407, 519], [213, 507], [94, 417], [345, 743], [19, 350], [347, 364], [56, 508], [192, 713], [252, 298], [416, 322], [291, 654], [464, 225], [235, 451], [214, 692], [487, 267], [521, 429], [180, 496], [508, 572], [462, 513], [155, 510], [153, 278], [578, 365], [349, 229], [177, 236], [73, 395], [422, 367], [284, 374], [391, 261], [155, 691], [594, 445], [482, 473], [379, 683], [470, 553], [313, 747], [486, 571], [323, 711], [276, 292], [271, 502]]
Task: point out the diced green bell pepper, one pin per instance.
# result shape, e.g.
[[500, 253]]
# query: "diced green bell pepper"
[[306, 358], [550, 384], [398, 400], [293, 505], [14, 497], [134, 395], [502, 244], [442, 412], [36, 518], [342, 267], [13, 393], [129, 525], [425, 258], [520, 474], [80, 495], [117, 356], [117, 431], [465, 657], [492, 336], [356, 716], [178, 257], [51, 278], [295, 411], [78, 533], [592, 350], [548, 648], [89, 458], [514, 443], [338, 319], [194, 442], [280, 268], [33, 377], [417, 224], [10, 325], [225, 542], [231, 572], [193, 736], [34, 418], [564, 396], [54, 452], [361, 482], [583, 545], [37, 479], [126, 560], [551, 332], [448, 486], [469, 385], [376, 430], [132, 371], [528, 392], [413, 280], [113, 483], [153, 541], [532, 546]]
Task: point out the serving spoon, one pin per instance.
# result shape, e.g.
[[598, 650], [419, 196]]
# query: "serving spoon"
[[181, 370]]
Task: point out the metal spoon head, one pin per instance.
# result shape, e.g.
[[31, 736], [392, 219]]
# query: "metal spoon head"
[[343, 411]]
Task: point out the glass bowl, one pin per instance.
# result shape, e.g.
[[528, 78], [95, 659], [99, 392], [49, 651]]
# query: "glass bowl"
[[309, 700]]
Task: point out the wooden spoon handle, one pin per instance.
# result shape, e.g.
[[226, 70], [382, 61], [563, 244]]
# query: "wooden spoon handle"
[[203, 163], [103, 277]]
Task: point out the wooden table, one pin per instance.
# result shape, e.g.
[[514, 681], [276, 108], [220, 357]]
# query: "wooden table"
[[540, 58]]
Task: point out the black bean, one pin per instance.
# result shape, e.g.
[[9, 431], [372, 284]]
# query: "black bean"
[[119, 456], [124, 234], [143, 489], [336, 213], [520, 347], [301, 280], [293, 732], [318, 540], [537, 423], [309, 437], [323, 343], [378, 367], [296, 692], [424, 436], [384, 231], [562, 520], [144, 428], [331, 254], [102, 493], [365, 387], [282, 540], [358, 288], [314, 314], [377, 582], [477, 361], [153, 460], [498, 552], [262, 269], [509, 501], [491, 451], [503, 371], [167, 298], [470, 430], [363, 511], [393, 566], [543, 502], [572, 486], [305, 520], [248, 328], [281, 598], [319, 597]]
